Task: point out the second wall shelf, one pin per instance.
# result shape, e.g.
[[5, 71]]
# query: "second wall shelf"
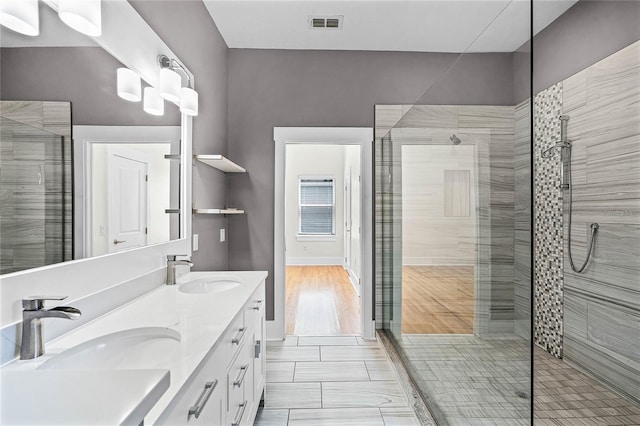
[[218, 211], [221, 163]]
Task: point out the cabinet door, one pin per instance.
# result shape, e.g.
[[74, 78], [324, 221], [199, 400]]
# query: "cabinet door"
[[215, 410], [259, 361]]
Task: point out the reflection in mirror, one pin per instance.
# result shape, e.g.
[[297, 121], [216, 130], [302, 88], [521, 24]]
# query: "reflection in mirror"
[[112, 182]]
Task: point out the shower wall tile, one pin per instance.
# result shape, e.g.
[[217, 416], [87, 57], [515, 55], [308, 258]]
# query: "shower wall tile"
[[35, 155], [522, 221], [549, 254], [602, 304]]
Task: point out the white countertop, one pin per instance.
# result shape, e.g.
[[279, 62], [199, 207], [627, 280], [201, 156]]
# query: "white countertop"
[[58, 397], [201, 320]]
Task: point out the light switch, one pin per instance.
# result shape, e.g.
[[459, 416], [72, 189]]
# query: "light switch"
[[195, 242], [223, 235]]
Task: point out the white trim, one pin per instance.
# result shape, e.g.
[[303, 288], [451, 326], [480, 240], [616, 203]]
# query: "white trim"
[[354, 281], [362, 136], [314, 261]]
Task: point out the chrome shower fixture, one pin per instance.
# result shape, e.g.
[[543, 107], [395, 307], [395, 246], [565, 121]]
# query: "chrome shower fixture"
[[456, 140]]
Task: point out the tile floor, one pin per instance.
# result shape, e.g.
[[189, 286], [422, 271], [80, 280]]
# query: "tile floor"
[[339, 380], [472, 381]]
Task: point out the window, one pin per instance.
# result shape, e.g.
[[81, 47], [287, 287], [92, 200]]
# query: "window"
[[317, 206]]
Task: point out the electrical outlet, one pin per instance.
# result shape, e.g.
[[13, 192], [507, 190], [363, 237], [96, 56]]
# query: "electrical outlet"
[[195, 242], [223, 235]]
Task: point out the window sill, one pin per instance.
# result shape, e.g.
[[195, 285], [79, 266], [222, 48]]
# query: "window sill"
[[316, 238]]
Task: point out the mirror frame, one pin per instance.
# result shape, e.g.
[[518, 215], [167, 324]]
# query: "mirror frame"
[[127, 37]]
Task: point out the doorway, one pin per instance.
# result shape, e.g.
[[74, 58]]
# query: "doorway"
[[322, 205], [323, 249]]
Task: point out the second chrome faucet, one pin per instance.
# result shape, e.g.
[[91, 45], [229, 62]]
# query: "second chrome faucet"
[[172, 262]]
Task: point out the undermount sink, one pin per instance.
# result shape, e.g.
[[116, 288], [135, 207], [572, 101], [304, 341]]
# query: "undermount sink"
[[137, 348], [209, 285]]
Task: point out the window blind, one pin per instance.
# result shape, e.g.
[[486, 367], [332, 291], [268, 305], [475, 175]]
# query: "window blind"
[[317, 207]]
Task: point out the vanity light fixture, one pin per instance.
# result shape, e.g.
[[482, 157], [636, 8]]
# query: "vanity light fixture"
[[153, 102], [189, 101], [170, 84], [186, 97], [20, 16], [84, 16], [129, 85]]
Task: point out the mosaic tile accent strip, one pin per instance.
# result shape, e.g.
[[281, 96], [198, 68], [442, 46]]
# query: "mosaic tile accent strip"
[[548, 247]]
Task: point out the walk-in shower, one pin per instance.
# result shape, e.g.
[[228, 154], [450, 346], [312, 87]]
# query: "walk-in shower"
[[518, 331]]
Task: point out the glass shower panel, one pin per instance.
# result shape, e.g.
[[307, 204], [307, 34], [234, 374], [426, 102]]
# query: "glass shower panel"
[[454, 229], [33, 225]]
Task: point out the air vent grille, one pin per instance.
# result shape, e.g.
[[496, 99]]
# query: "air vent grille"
[[325, 22]]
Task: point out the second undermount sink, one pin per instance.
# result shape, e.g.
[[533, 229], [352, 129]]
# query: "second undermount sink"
[[137, 348], [209, 285]]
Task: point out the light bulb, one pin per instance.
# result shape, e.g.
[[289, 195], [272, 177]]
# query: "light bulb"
[[84, 16], [189, 101], [20, 16], [170, 82], [153, 102], [129, 85]]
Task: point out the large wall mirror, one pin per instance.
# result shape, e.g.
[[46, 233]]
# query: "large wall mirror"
[[83, 172]]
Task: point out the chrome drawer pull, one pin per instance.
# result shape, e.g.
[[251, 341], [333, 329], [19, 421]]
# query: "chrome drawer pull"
[[240, 378], [236, 340], [257, 349], [239, 414], [257, 308], [196, 409]]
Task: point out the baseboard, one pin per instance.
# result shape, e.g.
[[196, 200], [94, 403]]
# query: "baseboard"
[[315, 261]]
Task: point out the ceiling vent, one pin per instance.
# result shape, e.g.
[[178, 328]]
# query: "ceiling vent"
[[325, 22]]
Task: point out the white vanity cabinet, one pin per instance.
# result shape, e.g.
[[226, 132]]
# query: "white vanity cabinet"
[[227, 387], [202, 398]]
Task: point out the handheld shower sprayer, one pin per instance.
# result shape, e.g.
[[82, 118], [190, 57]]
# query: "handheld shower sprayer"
[[565, 184]]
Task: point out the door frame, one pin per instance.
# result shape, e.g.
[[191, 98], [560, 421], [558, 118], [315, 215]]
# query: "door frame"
[[362, 136]]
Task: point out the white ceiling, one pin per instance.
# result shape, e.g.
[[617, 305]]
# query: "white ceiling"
[[414, 26]]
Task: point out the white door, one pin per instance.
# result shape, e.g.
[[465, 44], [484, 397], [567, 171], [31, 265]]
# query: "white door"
[[127, 177]]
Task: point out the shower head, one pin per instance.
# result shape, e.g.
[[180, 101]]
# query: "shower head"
[[456, 140]]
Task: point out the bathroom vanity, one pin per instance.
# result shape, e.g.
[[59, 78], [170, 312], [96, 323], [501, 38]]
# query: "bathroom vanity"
[[207, 332]]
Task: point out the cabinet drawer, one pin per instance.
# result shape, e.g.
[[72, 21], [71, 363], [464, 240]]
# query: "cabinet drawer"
[[201, 397], [234, 338], [238, 378]]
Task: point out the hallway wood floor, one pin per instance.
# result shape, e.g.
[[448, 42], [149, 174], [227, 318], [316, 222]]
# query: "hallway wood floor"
[[437, 299], [321, 301]]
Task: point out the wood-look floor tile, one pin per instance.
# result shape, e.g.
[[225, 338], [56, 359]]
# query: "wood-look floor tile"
[[280, 371], [292, 395], [327, 341], [398, 416], [292, 353], [380, 370], [336, 416], [351, 353], [362, 394], [272, 417], [328, 371]]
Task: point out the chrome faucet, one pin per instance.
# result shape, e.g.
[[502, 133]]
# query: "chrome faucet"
[[172, 262], [33, 313]]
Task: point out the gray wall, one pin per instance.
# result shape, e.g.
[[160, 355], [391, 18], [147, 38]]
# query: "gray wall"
[[276, 88], [589, 31], [187, 28], [84, 76]]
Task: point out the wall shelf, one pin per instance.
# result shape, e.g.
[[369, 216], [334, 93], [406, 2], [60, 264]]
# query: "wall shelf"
[[221, 163], [218, 211]]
